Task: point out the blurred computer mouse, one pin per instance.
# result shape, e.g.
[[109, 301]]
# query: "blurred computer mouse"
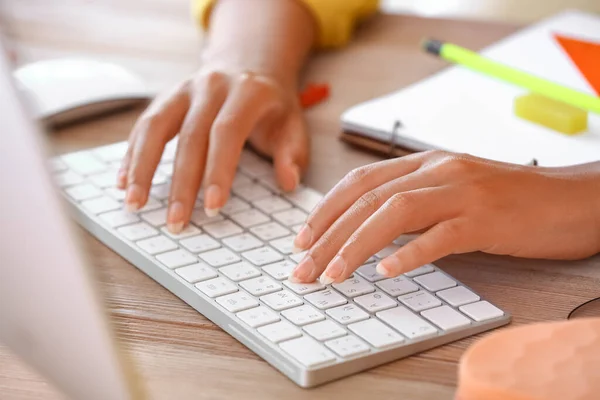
[[66, 90]]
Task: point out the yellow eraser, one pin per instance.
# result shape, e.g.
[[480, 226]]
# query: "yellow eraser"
[[550, 113]]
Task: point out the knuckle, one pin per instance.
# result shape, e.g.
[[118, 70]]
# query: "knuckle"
[[357, 175], [369, 202], [224, 126], [452, 230], [211, 80], [456, 164], [400, 202]]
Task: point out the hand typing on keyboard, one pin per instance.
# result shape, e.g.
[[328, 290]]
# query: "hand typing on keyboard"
[[462, 203], [246, 90]]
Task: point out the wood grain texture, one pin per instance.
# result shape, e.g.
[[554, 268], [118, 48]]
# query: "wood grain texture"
[[182, 355]]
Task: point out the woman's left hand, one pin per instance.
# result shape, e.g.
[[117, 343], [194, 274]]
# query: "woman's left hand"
[[460, 203]]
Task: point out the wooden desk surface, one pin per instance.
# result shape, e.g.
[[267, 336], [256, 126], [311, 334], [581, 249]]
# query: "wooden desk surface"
[[182, 355]]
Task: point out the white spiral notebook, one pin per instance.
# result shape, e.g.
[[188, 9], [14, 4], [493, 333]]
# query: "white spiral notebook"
[[463, 111]]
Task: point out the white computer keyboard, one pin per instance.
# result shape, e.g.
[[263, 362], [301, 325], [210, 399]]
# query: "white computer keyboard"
[[233, 269]]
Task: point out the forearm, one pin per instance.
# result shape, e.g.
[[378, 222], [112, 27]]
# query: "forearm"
[[264, 36]]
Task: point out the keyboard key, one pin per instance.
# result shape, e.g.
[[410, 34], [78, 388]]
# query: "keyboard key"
[[156, 245], [196, 272], [161, 192], [397, 286], [240, 271], [249, 218], [240, 180], [280, 331], [296, 228], [481, 311], [353, 287], [260, 286], [304, 288], [348, 346], [159, 178], [298, 256], [200, 218], [167, 169], [290, 217], [68, 178], [251, 192], [84, 163], [220, 257], [116, 194], [419, 301], [243, 242], [115, 219], [308, 351], [446, 318], [425, 269], [376, 333], [200, 243], [156, 217], [458, 296], [176, 258], [374, 302], [238, 301], [325, 330], [112, 152], [151, 204], [262, 256], [258, 316], [283, 245], [281, 300], [83, 192], [369, 273], [100, 205], [271, 204], [104, 180], [269, 231], [216, 287], [304, 198], [137, 231], [255, 166], [407, 323], [325, 299], [169, 151], [222, 229], [270, 182], [387, 251], [347, 314], [303, 315], [188, 231], [435, 281], [234, 205], [280, 270]]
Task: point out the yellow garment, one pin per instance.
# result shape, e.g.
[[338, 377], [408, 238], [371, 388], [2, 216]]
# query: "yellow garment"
[[336, 18]]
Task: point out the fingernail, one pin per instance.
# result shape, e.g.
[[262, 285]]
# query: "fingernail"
[[389, 266], [175, 217], [212, 200], [296, 175], [133, 198], [333, 270], [302, 270], [303, 239]]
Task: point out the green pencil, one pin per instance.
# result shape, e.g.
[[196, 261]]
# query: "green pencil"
[[474, 61]]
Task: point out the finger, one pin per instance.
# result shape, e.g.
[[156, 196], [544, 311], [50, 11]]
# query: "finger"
[[354, 185], [445, 238], [291, 152], [328, 245], [249, 102], [190, 159], [403, 212], [152, 131]]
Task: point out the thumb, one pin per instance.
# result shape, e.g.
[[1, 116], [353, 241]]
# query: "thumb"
[[291, 152]]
